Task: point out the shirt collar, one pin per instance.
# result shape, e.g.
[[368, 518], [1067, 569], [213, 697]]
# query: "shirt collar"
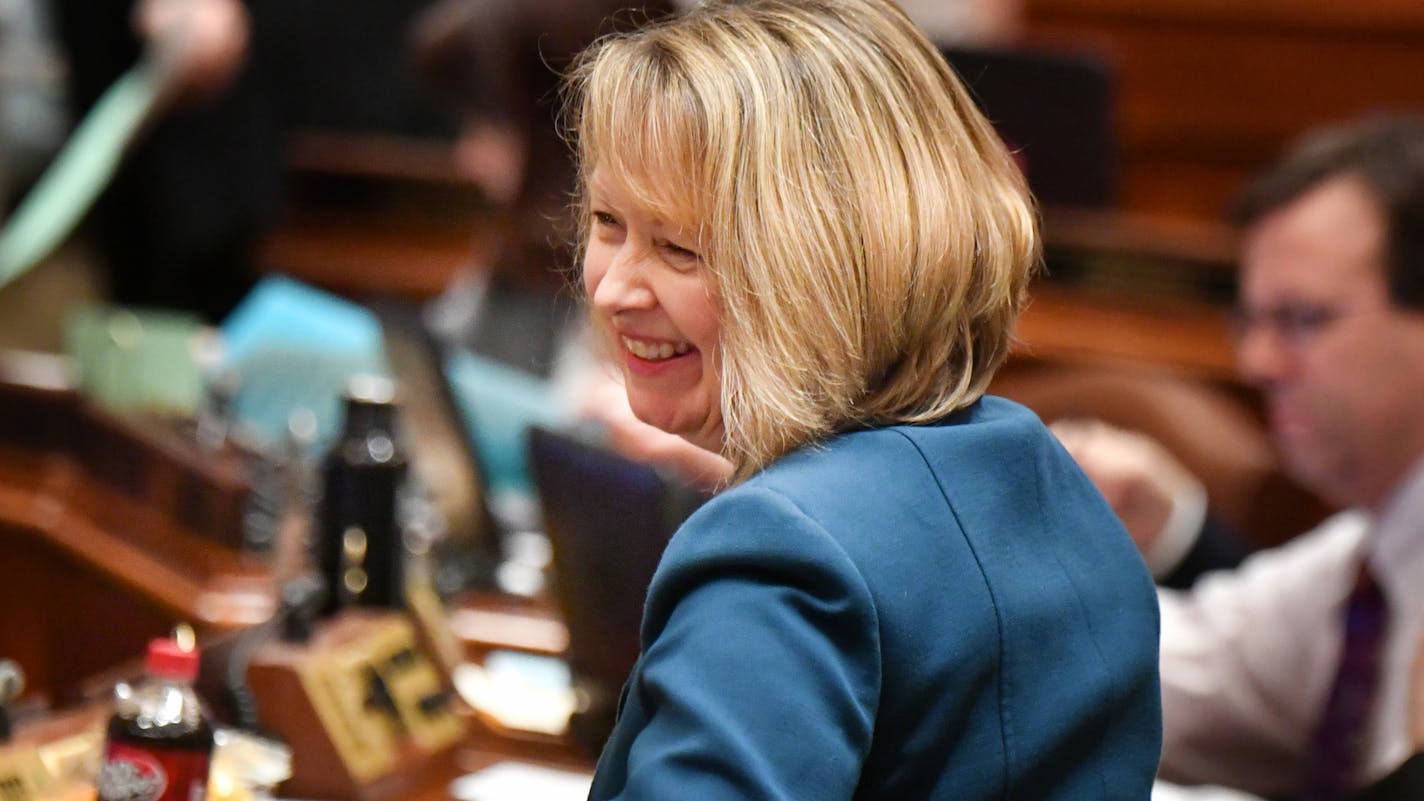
[[1396, 542]]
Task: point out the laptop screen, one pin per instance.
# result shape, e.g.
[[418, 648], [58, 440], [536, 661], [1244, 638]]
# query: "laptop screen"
[[608, 519], [441, 444]]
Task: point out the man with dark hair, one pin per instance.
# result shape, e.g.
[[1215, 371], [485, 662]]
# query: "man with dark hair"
[[499, 66], [1385, 154], [180, 224], [1291, 676]]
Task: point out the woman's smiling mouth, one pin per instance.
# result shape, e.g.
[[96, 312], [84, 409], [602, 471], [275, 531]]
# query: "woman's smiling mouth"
[[655, 351]]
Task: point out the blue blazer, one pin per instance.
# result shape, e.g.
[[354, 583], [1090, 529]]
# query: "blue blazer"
[[940, 612]]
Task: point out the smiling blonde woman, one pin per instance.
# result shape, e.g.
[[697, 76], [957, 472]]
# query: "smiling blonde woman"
[[866, 232], [807, 249]]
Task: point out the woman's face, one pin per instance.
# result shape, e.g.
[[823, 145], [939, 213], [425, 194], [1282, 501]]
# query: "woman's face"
[[650, 289]]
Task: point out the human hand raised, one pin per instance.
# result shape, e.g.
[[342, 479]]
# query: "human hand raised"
[[204, 42], [1141, 481], [603, 399]]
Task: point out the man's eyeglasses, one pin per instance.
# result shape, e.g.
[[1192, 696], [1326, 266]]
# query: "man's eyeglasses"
[[1295, 323]]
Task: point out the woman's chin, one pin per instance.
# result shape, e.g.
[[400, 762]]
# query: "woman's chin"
[[651, 412], [694, 428]]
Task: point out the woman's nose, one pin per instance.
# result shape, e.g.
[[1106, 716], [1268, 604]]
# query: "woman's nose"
[[623, 285]]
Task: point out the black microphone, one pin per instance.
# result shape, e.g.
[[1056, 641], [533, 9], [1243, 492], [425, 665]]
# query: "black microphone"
[[294, 620]]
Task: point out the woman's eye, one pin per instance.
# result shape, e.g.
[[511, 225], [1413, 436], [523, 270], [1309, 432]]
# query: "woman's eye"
[[680, 253], [603, 218]]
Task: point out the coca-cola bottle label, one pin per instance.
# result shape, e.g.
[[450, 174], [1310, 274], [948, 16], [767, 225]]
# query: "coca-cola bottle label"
[[130, 773]]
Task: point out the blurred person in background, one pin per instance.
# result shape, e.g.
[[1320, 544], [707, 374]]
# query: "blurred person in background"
[[498, 64], [180, 224], [1294, 675]]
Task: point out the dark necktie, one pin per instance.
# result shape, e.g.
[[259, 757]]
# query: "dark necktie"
[[1336, 745]]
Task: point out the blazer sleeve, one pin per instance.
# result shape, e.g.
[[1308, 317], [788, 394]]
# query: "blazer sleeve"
[[760, 674]]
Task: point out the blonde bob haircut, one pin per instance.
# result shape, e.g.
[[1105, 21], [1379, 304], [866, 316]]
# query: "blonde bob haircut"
[[867, 235]]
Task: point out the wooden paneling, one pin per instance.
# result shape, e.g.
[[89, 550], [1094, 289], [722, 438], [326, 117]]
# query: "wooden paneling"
[[1067, 327], [1211, 90], [376, 215]]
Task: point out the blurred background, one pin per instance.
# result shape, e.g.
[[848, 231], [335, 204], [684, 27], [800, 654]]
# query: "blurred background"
[[284, 194]]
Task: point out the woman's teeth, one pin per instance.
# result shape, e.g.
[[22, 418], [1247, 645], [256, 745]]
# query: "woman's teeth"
[[655, 351]]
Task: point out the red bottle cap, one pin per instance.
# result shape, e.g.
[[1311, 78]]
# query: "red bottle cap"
[[168, 660]]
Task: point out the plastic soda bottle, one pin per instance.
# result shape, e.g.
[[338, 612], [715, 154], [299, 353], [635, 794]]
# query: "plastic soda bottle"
[[160, 741]]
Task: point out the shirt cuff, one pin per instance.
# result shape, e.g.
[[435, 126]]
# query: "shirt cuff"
[[1179, 533]]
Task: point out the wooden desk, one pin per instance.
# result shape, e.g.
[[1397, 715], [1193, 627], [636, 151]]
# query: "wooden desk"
[[354, 710], [486, 749], [110, 534], [483, 622], [1165, 260]]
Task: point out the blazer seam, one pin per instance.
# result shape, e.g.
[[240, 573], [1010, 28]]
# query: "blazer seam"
[[1003, 680], [1080, 605]]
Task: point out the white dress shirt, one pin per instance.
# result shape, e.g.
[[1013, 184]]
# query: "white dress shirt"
[[1248, 656]]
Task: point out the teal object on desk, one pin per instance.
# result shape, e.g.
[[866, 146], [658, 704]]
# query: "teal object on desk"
[[292, 348], [500, 404], [275, 384], [294, 345], [282, 313]]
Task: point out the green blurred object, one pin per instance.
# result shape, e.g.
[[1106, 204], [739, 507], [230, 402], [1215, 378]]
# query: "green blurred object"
[[132, 359], [82, 169]]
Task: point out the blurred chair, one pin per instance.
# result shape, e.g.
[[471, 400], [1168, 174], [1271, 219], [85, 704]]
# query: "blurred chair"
[[1213, 432], [1056, 111]]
